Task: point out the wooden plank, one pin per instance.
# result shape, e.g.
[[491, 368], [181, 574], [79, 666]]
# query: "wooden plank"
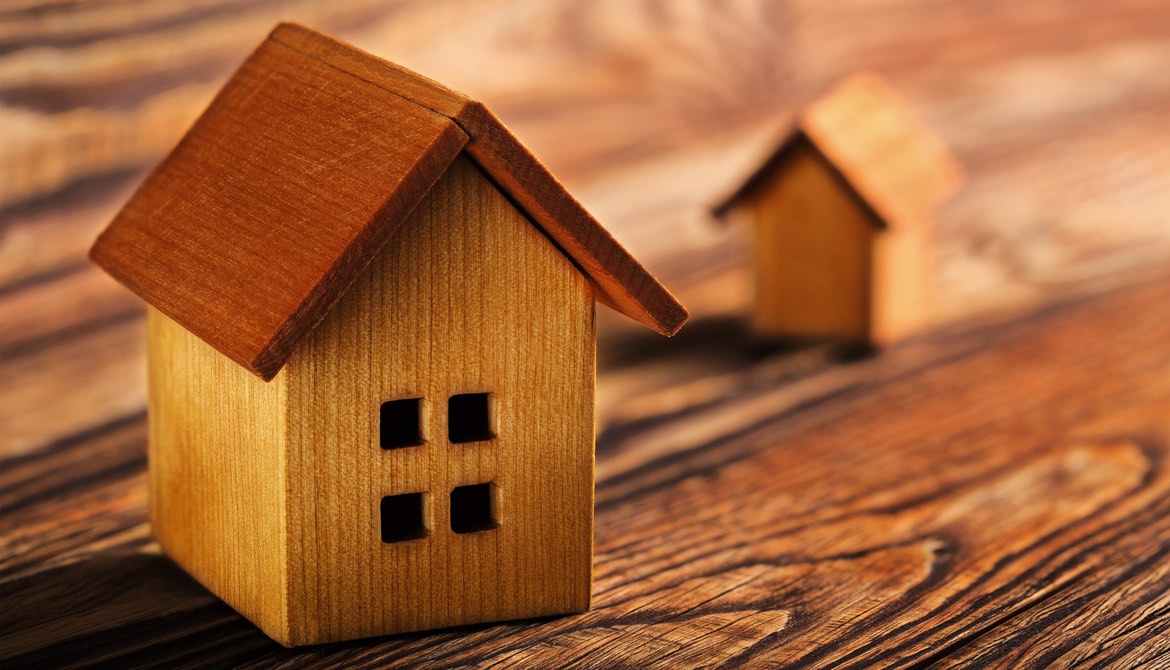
[[936, 509], [69, 222], [101, 470]]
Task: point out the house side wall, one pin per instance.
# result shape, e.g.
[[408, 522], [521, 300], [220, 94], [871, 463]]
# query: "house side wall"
[[812, 253], [216, 472], [467, 297], [902, 281]]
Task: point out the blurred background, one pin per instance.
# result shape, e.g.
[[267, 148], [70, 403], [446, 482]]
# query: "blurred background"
[[649, 111]]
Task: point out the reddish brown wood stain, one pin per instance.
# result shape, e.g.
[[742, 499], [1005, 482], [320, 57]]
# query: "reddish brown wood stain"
[[297, 175]]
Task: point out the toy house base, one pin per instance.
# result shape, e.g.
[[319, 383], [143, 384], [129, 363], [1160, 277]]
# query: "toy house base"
[[300, 505]]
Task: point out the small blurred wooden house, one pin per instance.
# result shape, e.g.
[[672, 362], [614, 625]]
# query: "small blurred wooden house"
[[841, 218]]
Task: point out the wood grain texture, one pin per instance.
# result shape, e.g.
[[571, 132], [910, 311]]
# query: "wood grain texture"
[[218, 486], [468, 297], [1035, 503], [620, 280], [648, 112]]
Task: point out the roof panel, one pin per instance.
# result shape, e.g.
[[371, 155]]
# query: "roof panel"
[[619, 279], [279, 196], [298, 174], [873, 140]]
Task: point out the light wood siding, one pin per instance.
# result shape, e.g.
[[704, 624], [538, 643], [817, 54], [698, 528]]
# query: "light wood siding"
[[902, 281], [468, 296], [217, 472], [811, 253]]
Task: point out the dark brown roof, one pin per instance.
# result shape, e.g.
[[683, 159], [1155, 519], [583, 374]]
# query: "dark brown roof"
[[898, 168], [297, 175]]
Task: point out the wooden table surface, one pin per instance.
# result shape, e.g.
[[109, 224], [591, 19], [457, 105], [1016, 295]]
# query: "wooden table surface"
[[995, 491]]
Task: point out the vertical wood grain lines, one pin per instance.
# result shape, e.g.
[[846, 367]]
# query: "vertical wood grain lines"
[[217, 489], [468, 297]]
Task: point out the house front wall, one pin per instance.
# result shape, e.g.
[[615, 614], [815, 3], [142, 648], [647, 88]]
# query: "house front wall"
[[468, 297], [812, 252]]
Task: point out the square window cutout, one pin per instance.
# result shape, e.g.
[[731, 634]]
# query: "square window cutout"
[[471, 509], [402, 518], [400, 423], [469, 418]]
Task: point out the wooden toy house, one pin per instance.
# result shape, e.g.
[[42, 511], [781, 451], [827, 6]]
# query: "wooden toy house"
[[841, 218], [371, 351]]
